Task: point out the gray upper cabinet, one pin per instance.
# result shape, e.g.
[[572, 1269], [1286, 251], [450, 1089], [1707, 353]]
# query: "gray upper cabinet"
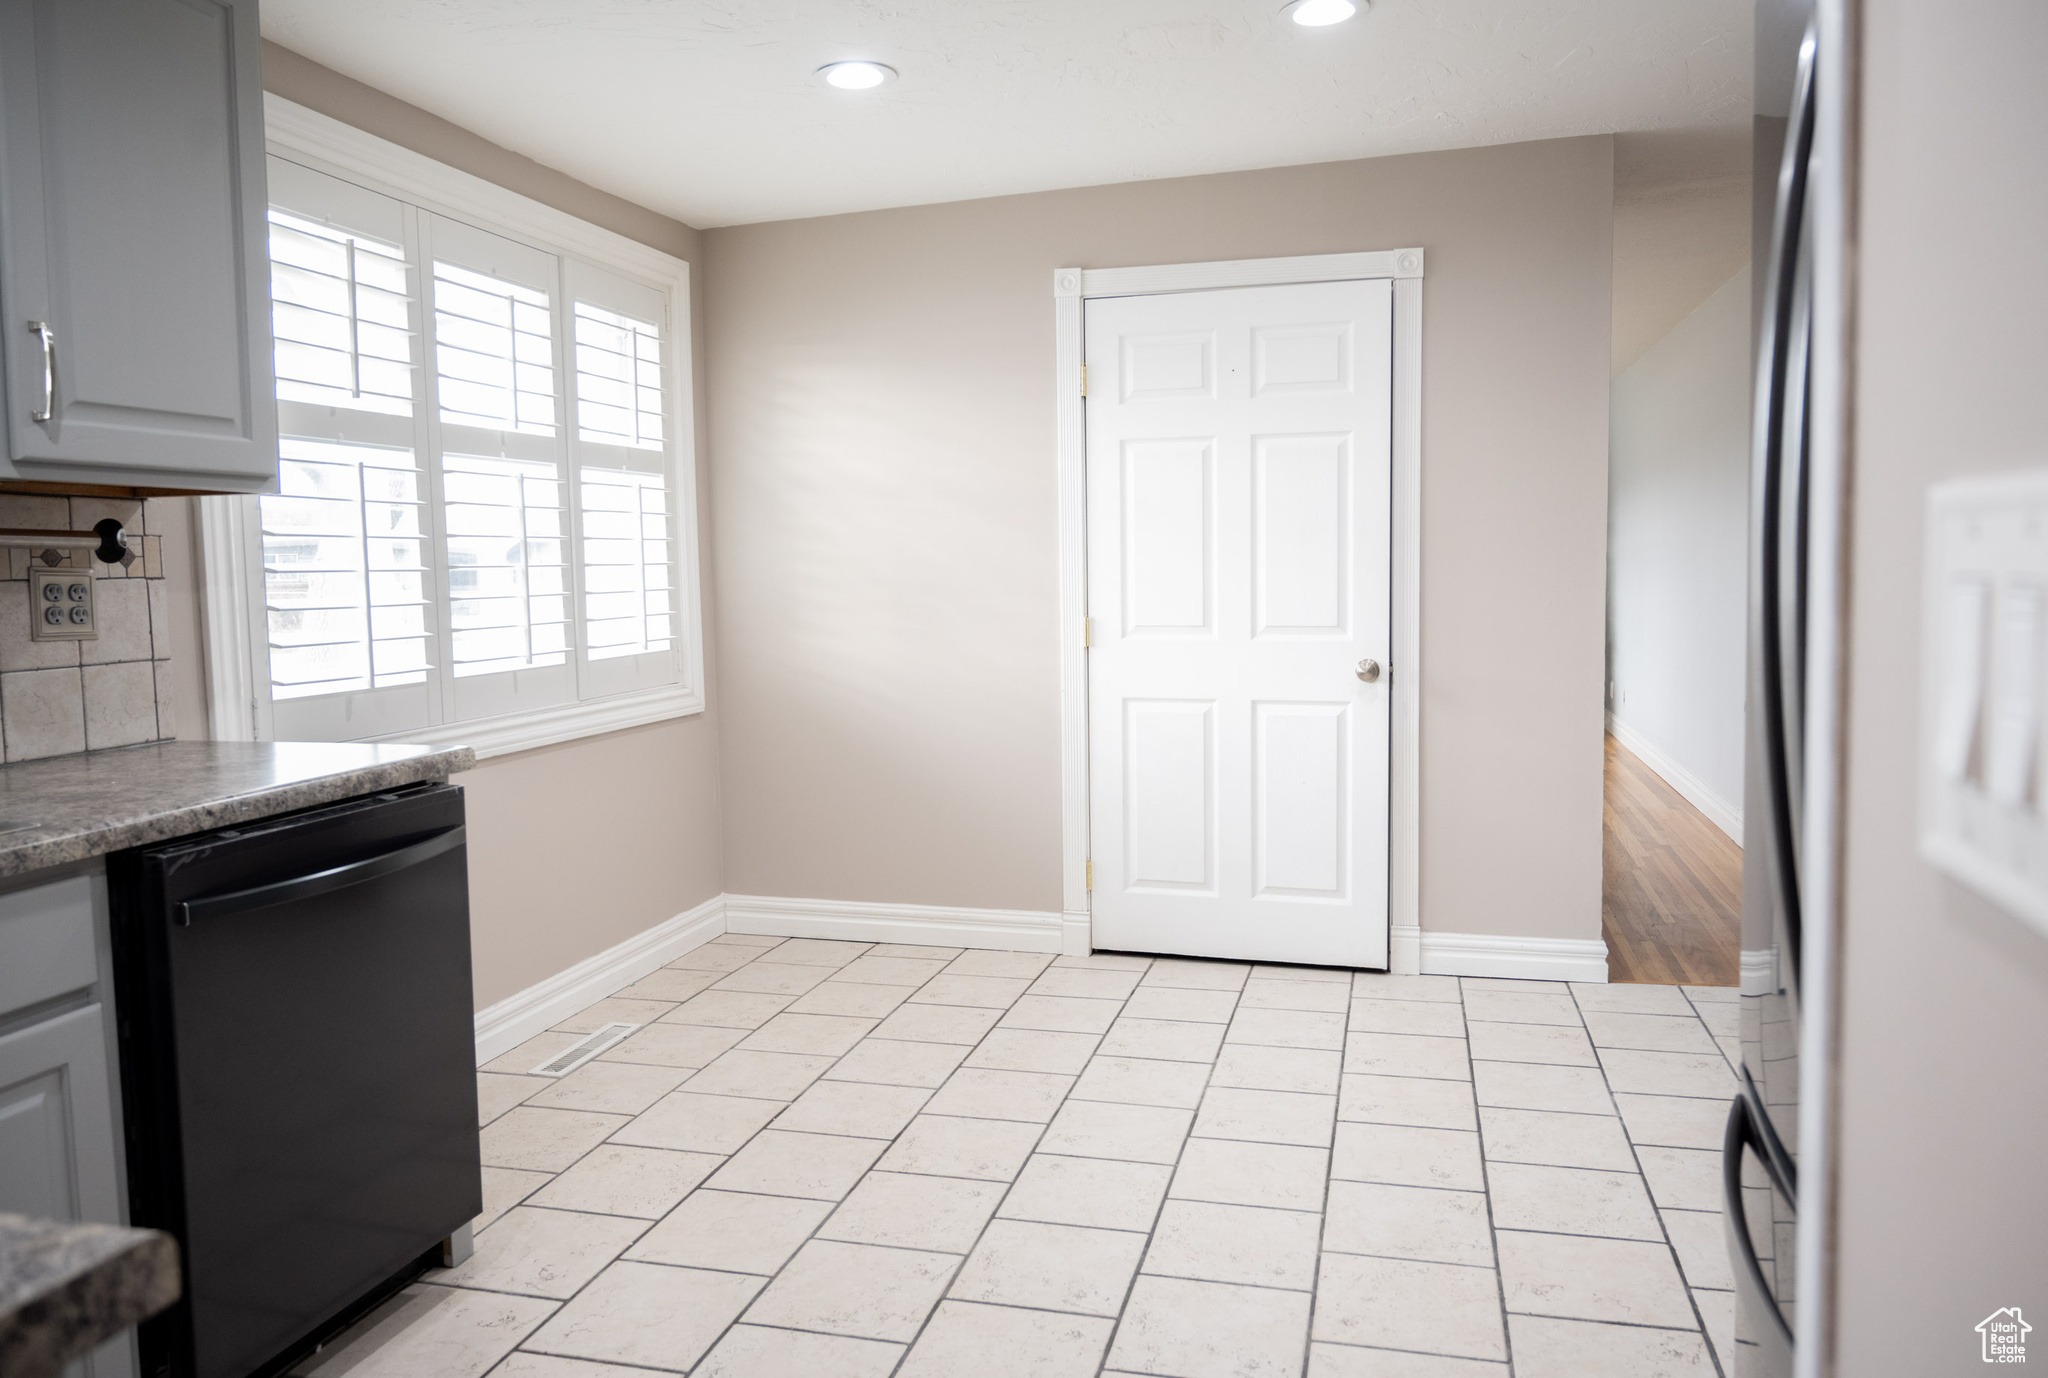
[[134, 272]]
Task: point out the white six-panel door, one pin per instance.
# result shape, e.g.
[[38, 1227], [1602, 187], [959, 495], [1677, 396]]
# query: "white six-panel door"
[[1238, 572]]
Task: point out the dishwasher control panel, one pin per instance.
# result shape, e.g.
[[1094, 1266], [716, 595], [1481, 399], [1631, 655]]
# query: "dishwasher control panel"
[[61, 605]]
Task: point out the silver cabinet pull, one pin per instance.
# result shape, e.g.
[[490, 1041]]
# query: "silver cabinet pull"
[[49, 338], [1369, 670]]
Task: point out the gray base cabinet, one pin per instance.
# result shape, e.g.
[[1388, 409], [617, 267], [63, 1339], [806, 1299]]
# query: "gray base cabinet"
[[134, 269], [60, 1127], [56, 1124]]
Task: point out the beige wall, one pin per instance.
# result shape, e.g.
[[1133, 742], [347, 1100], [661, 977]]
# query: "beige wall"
[[1678, 542], [1681, 228], [881, 400], [576, 847], [1942, 1192]]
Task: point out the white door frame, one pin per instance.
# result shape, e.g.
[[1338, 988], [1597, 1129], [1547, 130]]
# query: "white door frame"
[[1070, 288]]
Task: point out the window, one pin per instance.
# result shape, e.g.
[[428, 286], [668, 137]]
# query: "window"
[[339, 310], [494, 352], [344, 582], [479, 533]]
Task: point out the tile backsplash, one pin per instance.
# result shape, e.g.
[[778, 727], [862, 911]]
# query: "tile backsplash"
[[63, 696]]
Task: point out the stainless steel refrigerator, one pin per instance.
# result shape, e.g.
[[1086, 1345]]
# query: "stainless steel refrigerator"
[[1760, 1166], [1886, 1196]]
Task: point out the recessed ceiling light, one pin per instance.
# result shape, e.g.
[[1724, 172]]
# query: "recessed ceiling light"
[[866, 76], [1316, 14]]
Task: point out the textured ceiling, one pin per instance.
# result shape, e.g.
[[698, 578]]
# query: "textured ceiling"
[[706, 110]]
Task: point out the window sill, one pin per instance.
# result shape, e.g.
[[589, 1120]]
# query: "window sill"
[[566, 722]]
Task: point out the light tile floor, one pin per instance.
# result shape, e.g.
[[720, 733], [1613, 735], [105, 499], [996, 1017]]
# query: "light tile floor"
[[822, 1159]]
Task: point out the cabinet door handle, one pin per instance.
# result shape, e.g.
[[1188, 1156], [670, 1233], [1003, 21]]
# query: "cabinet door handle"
[[49, 338]]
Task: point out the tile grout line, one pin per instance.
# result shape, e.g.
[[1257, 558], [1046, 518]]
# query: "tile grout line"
[[1011, 1184], [1152, 1231], [563, 1304], [1735, 1071], [1315, 1286], [1663, 1232], [769, 1281], [812, 1235], [1008, 1187], [1500, 1282], [957, 1067], [560, 1304]]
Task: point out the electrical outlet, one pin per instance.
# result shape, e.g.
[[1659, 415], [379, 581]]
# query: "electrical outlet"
[[61, 606]]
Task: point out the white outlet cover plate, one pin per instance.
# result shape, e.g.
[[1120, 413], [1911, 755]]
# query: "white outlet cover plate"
[[69, 592]]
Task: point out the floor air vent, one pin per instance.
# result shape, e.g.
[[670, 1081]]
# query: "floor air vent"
[[570, 1058]]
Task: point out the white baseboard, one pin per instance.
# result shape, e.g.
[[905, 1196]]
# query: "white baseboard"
[[516, 1018], [1529, 959], [1404, 949], [1759, 971], [1722, 814], [1077, 933], [513, 1020], [1019, 930]]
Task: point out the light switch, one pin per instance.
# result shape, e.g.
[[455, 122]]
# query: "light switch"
[[2013, 709], [1961, 696], [1984, 688]]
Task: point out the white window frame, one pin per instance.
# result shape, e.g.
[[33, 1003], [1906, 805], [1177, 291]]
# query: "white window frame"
[[231, 593]]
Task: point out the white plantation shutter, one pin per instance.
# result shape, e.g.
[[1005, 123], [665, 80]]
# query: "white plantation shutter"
[[343, 298], [345, 553], [494, 352], [627, 558], [618, 378], [627, 528], [344, 571], [477, 515], [502, 466], [340, 314], [509, 604]]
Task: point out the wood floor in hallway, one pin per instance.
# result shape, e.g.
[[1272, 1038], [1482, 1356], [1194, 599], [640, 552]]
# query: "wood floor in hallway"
[[1671, 893]]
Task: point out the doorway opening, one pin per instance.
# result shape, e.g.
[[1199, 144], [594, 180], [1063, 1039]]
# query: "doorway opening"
[[1670, 886], [1678, 559]]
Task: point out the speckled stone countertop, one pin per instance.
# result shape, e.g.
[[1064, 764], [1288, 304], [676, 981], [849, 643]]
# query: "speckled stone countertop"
[[71, 808], [65, 1289]]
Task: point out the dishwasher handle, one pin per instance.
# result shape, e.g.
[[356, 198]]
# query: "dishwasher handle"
[[320, 882]]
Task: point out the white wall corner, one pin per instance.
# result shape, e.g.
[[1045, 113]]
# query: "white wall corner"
[[505, 1025], [1720, 812], [1528, 959], [1076, 933], [1018, 930]]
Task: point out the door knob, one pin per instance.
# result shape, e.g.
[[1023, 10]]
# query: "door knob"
[[1369, 670]]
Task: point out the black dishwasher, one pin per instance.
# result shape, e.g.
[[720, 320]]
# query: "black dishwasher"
[[297, 1066]]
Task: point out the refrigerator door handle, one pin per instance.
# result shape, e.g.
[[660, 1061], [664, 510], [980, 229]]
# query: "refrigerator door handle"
[[1775, 695], [1753, 1288], [320, 882]]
